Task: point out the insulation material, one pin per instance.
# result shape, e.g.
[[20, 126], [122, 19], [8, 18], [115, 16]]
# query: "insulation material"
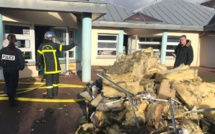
[[140, 113], [87, 128], [181, 73], [155, 112], [199, 94]]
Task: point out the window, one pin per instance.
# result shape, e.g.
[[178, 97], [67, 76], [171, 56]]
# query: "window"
[[61, 39], [155, 43], [146, 42], [172, 43], [17, 29], [107, 45], [25, 38]]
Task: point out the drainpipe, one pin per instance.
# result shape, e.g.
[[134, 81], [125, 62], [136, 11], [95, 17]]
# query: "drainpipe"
[[120, 42]]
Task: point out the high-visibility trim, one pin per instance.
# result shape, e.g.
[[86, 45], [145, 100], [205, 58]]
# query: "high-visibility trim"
[[44, 62], [40, 52], [50, 46], [55, 61], [55, 85], [61, 47], [44, 51], [49, 87], [52, 72]]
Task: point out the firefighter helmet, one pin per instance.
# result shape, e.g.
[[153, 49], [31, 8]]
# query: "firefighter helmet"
[[49, 35]]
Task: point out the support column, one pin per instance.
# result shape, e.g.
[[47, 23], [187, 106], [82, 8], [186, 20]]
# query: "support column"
[[86, 46], [163, 47], [78, 38], [120, 42], [1, 39], [78, 49]]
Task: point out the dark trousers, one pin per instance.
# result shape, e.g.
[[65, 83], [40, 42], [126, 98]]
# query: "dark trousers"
[[11, 81], [52, 81]]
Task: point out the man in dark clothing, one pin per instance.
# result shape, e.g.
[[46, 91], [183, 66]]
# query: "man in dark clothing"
[[183, 52], [49, 51]]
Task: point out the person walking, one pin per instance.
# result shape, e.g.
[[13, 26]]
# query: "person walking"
[[49, 52], [183, 52], [12, 61]]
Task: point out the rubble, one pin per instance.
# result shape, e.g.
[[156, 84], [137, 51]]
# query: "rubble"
[[144, 97]]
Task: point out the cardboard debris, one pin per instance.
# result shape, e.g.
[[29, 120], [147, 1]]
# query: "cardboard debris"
[[164, 91]]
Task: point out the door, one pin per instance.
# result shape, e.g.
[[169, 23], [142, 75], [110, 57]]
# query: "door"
[[210, 62]]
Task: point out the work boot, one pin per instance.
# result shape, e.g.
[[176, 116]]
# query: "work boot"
[[55, 91], [48, 94], [13, 102]]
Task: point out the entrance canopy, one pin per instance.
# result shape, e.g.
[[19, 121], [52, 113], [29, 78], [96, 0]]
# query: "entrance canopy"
[[97, 8]]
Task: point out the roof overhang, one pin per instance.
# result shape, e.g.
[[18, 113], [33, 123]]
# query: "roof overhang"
[[143, 25], [97, 9], [209, 28]]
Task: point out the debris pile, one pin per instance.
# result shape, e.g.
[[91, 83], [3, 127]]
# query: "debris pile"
[[139, 95]]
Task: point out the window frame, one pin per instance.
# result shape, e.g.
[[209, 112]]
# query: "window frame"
[[107, 41], [30, 37]]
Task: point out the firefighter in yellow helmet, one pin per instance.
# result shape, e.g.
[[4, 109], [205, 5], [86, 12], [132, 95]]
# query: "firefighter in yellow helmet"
[[47, 56]]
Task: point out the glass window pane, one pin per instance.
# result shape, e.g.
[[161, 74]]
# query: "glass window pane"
[[71, 54], [106, 45], [171, 47], [169, 53], [142, 39], [147, 46], [23, 43], [148, 39], [156, 39], [107, 37], [17, 29], [175, 39], [27, 55], [107, 52]]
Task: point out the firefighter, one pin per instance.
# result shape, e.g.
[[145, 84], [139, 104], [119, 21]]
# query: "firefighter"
[[49, 51], [12, 61]]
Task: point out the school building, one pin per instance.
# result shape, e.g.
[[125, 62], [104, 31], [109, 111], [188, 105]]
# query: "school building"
[[105, 30]]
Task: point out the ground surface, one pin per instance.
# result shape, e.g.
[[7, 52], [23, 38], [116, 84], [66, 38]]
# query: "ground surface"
[[53, 118]]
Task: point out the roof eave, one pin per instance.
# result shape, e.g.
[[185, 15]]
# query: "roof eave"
[[56, 6], [147, 26]]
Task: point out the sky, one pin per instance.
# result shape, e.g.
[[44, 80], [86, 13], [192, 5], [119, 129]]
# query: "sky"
[[135, 4]]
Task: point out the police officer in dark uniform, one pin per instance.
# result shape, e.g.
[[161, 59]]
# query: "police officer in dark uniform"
[[12, 61], [49, 51]]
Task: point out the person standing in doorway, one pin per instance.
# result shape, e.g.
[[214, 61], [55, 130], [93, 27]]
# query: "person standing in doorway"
[[183, 52], [12, 61], [49, 51]]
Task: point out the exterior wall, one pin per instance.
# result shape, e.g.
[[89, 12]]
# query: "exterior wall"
[[29, 71], [95, 60], [194, 37]]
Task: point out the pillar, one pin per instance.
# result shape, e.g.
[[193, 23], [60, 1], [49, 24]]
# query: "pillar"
[[86, 46], [163, 47], [78, 38], [120, 42]]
